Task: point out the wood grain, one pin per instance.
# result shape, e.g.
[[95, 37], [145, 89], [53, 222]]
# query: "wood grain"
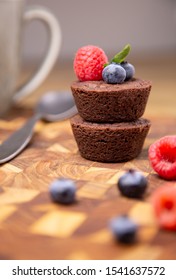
[[32, 227]]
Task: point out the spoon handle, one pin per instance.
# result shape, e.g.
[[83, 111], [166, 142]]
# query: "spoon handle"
[[13, 145]]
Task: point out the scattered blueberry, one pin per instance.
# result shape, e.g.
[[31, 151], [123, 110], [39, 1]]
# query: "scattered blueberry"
[[124, 229], [129, 68], [114, 74], [132, 184], [63, 191]]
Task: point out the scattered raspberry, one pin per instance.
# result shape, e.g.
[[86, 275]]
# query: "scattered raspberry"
[[88, 63], [162, 155], [164, 203]]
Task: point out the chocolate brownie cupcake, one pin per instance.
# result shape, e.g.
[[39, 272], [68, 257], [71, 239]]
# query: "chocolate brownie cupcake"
[[100, 102], [105, 142]]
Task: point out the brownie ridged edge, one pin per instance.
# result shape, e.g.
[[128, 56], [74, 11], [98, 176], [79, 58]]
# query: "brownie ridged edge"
[[117, 142]]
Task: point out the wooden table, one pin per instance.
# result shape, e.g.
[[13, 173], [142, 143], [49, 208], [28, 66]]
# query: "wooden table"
[[32, 227]]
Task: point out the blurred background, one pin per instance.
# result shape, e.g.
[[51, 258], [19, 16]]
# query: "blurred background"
[[149, 26]]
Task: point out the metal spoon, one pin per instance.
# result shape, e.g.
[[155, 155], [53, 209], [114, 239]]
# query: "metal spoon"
[[53, 106]]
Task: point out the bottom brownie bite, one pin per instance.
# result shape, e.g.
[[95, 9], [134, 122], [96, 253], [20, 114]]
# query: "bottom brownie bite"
[[115, 142]]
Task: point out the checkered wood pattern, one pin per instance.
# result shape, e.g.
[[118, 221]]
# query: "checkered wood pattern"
[[33, 227]]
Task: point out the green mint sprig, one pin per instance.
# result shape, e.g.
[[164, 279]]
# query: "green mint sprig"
[[120, 57]]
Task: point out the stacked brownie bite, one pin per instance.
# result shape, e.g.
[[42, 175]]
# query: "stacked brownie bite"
[[109, 126]]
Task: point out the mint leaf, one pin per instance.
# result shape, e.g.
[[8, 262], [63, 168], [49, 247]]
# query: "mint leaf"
[[106, 64], [119, 57]]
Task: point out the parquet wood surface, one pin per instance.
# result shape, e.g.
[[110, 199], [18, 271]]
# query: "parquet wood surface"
[[33, 227]]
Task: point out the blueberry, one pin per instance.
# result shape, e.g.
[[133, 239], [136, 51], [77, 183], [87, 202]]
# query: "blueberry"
[[63, 191], [130, 70], [124, 229], [114, 74], [132, 184]]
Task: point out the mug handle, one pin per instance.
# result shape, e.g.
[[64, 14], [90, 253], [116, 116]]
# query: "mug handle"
[[54, 31]]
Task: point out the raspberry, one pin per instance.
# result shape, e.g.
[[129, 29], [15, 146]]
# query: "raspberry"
[[162, 155], [164, 204], [88, 63]]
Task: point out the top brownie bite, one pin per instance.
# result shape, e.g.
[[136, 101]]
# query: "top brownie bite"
[[107, 92], [98, 101]]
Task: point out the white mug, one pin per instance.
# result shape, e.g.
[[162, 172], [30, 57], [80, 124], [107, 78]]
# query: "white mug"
[[13, 15]]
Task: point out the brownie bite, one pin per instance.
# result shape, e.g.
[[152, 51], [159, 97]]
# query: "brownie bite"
[[111, 102], [109, 142], [100, 102]]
